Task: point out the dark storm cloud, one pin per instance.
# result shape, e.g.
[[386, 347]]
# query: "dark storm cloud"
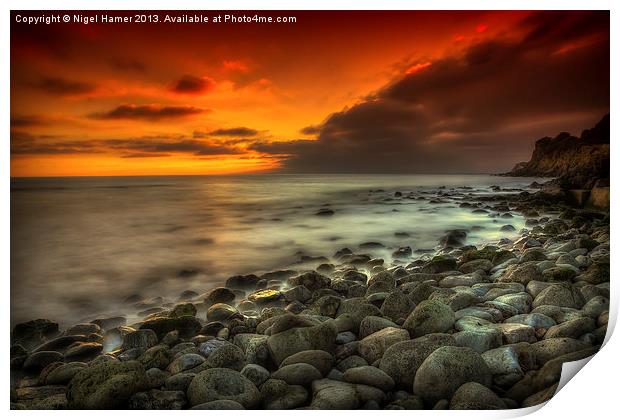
[[23, 143], [235, 132], [193, 85], [476, 111], [148, 112], [144, 155], [291, 147], [59, 86], [310, 130], [198, 148]]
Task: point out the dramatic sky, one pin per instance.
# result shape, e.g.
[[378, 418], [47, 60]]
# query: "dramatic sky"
[[368, 92]]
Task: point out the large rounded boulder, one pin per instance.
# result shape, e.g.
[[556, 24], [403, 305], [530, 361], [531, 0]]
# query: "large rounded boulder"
[[446, 369], [430, 316], [222, 384], [106, 385]]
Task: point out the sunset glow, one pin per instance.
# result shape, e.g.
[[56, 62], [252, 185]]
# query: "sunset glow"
[[119, 99]]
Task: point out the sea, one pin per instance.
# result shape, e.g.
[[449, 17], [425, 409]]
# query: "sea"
[[81, 245]]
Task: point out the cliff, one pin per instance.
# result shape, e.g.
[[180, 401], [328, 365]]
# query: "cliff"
[[576, 162]]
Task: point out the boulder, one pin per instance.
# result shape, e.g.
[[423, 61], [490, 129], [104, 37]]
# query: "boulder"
[[185, 362], [446, 369], [371, 348], [226, 356], [255, 373], [369, 375], [297, 374], [278, 395], [311, 280], [222, 384], [402, 360], [106, 385], [321, 360], [474, 396], [295, 340], [430, 316], [563, 295]]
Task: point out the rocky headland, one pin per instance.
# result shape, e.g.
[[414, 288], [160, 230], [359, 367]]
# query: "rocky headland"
[[461, 327], [579, 165]]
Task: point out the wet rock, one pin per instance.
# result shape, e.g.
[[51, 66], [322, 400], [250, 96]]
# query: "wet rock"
[[474, 396], [35, 362], [83, 351], [32, 333], [453, 238], [278, 395], [371, 348], [187, 326], [311, 280], [550, 348], [521, 273], [560, 274], [228, 356], [185, 362], [255, 373], [351, 362], [327, 305], [402, 252], [64, 373], [369, 375], [480, 340], [328, 394], [142, 338], [446, 369], [397, 305], [534, 320], [84, 329], [475, 265], [297, 374], [221, 312], [563, 295], [517, 333], [263, 297], [439, 264], [574, 328], [298, 293], [467, 280], [243, 282], [504, 365], [183, 309], [596, 306], [222, 384], [521, 301], [106, 385], [430, 316], [319, 359], [178, 382], [295, 340], [372, 324]]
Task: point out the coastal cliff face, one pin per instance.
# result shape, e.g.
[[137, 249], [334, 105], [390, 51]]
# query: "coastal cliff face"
[[577, 162]]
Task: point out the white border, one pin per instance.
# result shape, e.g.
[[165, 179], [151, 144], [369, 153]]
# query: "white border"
[[591, 396]]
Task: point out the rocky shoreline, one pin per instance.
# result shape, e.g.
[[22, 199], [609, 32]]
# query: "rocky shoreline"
[[463, 328]]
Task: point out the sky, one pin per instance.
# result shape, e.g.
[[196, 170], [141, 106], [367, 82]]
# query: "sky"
[[334, 92]]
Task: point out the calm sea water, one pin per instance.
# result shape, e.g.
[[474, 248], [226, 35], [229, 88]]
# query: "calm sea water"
[[79, 246]]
